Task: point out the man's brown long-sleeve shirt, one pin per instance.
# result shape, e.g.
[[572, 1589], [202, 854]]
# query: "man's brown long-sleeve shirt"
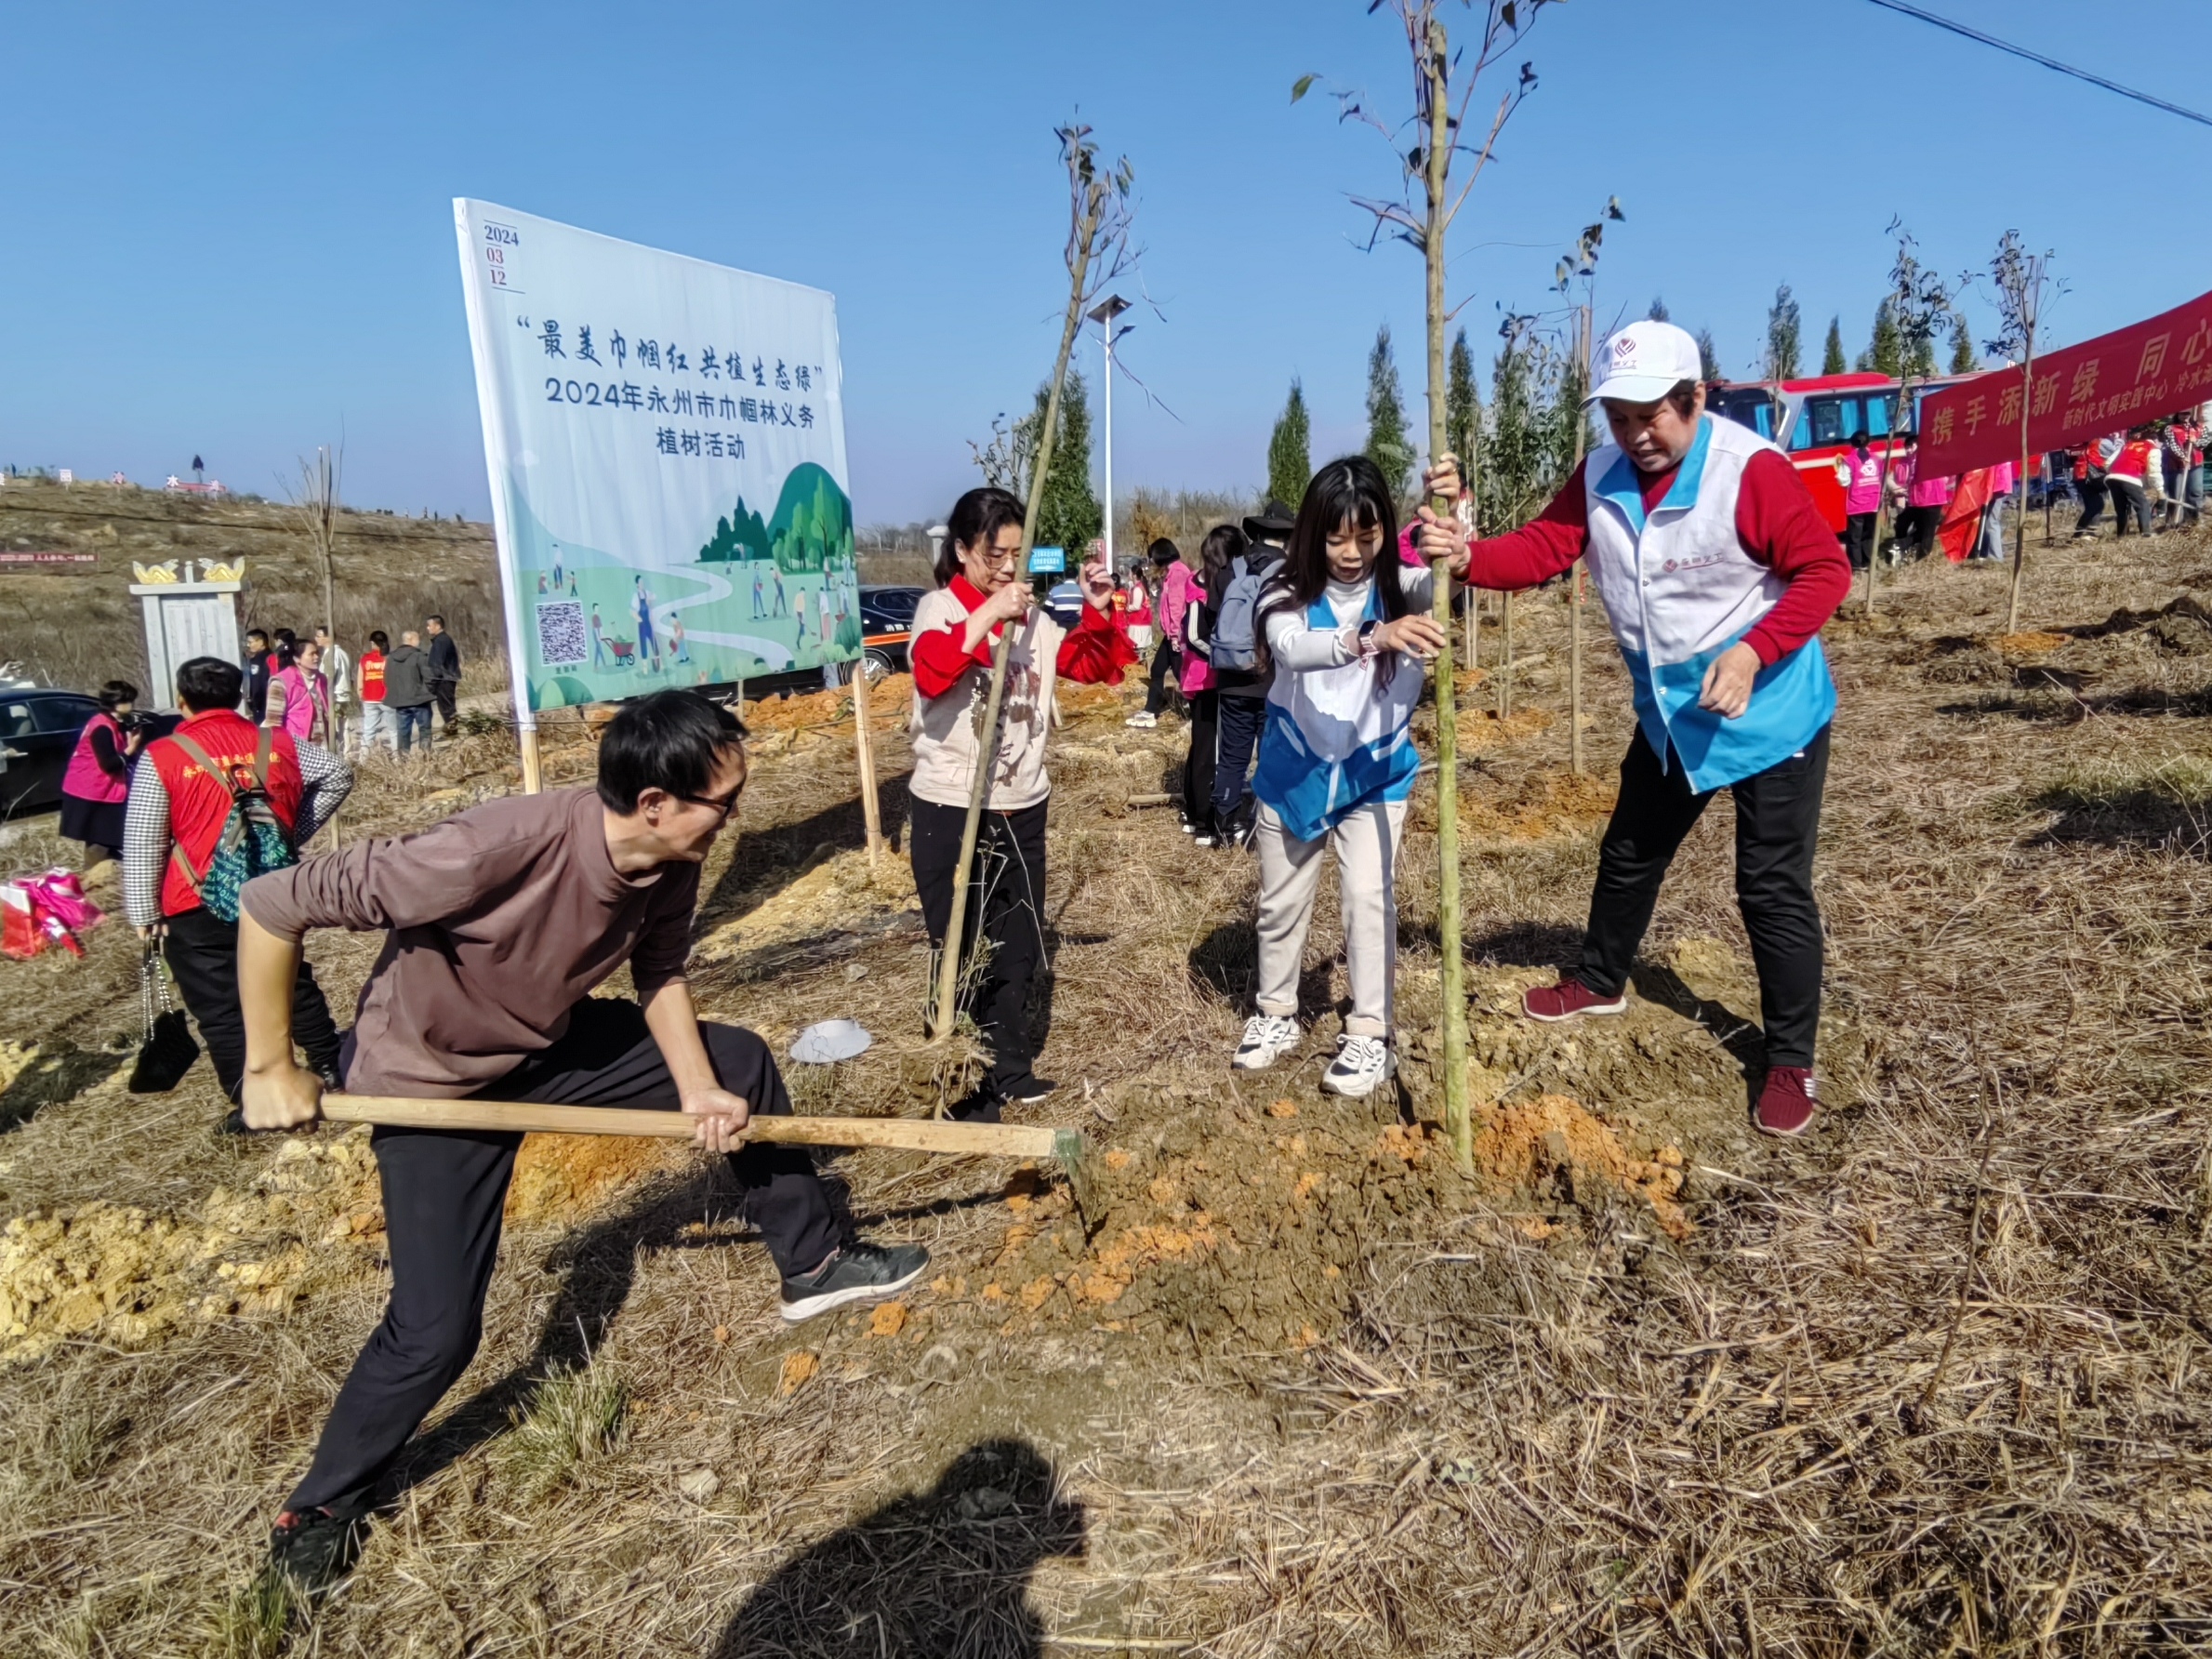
[[500, 919]]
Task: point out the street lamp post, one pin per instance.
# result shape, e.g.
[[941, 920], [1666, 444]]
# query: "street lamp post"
[[1103, 314]]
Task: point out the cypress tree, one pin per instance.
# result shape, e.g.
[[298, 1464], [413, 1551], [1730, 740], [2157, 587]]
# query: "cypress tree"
[[1658, 314], [1784, 336], [1962, 361], [1463, 404], [1388, 444], [1885, 353], [1069, 515], [1289, 451], [1708, 356], [1831, 355]]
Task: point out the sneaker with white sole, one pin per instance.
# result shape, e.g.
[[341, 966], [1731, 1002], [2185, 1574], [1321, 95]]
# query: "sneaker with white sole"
[[1360, 1064], [1267, 1037], [1143, 721], [855, 1273]]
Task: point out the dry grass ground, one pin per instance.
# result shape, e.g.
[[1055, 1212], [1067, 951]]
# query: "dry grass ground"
[[1932, 1380]]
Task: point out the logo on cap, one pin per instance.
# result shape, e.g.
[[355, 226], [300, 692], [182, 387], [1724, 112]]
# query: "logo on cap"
[[1624, 346]]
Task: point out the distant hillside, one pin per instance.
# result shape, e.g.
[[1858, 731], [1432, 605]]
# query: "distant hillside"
[[78, 625], [812, 522]]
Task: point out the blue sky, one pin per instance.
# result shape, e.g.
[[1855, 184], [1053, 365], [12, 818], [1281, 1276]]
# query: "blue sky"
[[229, 228]]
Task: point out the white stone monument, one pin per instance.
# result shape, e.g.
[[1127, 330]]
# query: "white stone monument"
[[186, 618]]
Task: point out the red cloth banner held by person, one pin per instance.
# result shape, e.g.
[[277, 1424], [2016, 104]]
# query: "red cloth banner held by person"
[[2081, 392]]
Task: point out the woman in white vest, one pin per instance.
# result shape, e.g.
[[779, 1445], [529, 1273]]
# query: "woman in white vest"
[[1346, 629], [1717, 573]]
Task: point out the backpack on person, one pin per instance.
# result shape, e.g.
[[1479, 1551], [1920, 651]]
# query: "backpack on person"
[[254, 840], [1236, 642]]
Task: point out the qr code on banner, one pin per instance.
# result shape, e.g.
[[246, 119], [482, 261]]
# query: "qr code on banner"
[[560, 642]]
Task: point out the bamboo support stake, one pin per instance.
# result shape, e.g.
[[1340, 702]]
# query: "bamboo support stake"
[[1506, 660], [1458, 1120], [1574, 576], [1090, 193], [871, 808]]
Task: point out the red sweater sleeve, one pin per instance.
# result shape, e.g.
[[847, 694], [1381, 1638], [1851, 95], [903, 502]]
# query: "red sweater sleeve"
[[1094, 652], [1779, 526], [939, 661], [1544, 547]]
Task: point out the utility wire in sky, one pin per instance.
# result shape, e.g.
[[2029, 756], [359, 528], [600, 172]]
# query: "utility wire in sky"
[[2064, 69]]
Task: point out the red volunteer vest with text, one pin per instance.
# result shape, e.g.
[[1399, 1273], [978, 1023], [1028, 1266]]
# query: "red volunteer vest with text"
[[199, 805]]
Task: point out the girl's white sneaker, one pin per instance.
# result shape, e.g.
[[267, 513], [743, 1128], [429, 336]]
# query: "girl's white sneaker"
[[1267, 1037], [1360, 1064]]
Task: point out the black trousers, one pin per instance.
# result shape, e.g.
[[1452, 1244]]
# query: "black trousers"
[[202, 951], [1859, 537], [1164, 691], [1916, 529], [1197, 765], [445, 1192], [2093, 494], [1778, 820], [2131, 503], [442, 693], [1240, 720], [1006, 890]]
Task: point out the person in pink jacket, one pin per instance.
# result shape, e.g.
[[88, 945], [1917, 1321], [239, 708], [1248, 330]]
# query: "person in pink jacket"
[[1173, 584], [299, 695], [1860, 473]]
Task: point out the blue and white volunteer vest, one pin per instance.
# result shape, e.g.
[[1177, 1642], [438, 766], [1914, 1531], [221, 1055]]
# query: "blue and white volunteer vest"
[[1679, 590], [1331, 743]]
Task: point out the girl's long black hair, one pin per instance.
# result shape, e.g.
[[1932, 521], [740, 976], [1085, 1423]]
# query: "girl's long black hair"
[[1225, 544], [1351, 489]]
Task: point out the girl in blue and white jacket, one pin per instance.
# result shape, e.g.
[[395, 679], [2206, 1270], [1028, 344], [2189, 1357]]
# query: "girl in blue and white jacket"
[[1347, 630]]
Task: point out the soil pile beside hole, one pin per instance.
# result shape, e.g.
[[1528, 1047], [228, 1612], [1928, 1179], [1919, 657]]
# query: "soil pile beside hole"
[[564, 1178], [123, 1276], [842, 894]]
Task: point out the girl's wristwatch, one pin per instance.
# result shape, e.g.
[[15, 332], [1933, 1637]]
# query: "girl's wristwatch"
[[1367, 639]]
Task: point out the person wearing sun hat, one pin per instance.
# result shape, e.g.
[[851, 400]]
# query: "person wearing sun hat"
[[1717, 572]]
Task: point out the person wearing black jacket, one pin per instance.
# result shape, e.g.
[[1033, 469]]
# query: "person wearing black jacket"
[[445, 670], [1243, 692], [255, 671]]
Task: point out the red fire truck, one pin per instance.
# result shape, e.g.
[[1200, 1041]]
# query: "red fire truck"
[[1813, 421]]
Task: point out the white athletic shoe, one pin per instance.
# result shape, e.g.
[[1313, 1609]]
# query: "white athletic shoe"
[[1360, 1064], [1142, 720], [1267, 1037]]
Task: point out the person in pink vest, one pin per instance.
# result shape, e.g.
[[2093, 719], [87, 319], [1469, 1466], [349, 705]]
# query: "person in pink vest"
[[1859, 473], [299, 695], [1924, 500], [97, 785]]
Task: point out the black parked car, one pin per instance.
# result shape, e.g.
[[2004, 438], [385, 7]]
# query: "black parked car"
[[39, 733]]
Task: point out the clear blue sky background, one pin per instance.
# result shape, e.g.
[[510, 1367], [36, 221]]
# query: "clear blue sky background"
[[228, 227]]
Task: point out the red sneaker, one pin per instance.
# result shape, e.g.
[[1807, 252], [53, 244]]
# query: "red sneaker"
[[1787, 1102], [1567, 999]]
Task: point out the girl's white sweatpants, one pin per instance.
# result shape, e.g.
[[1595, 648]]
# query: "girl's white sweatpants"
[[1365, 842]]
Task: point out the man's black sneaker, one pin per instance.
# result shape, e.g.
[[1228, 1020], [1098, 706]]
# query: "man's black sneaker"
[[313, 1547], [856, 1272], [1030, 1090]]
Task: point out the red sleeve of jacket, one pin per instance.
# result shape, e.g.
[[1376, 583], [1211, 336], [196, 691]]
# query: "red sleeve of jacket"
[[1544, 547], [1781, 528], [1095, 651], [939, 661]]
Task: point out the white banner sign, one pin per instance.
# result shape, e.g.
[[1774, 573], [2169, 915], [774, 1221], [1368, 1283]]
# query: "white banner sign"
[[667, 446]]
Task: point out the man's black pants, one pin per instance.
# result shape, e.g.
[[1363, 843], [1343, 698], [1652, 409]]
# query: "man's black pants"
[[2094, 496], [444, 1191], [1241, 718], [1008, 887], [442, 693], [202, 951], [1859, 537], [1778, 820]]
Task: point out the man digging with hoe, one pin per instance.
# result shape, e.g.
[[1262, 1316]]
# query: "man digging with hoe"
[[499, 922]]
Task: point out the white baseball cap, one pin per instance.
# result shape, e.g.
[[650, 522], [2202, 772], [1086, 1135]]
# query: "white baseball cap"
[[1645, 362]]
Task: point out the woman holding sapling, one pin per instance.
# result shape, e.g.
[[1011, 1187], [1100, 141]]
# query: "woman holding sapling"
[[1346, 630], [1717, 573], [981, 593]]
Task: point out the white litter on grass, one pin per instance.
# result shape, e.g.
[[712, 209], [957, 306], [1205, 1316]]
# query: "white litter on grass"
[[831, 1041]]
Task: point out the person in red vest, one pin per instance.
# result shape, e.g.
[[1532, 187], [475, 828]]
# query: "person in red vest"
[[2136, 480], [174, 822]]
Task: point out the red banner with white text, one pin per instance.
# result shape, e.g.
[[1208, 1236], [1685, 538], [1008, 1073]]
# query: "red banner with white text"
[[2102, 385]]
